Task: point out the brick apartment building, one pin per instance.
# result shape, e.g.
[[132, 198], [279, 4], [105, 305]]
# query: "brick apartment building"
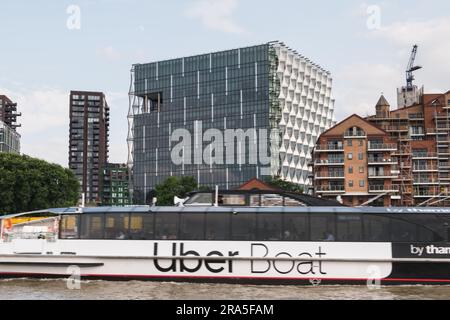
[[393, 158]]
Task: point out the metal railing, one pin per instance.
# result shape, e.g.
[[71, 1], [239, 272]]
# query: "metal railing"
[[329, 148], [383, 188], [330, 188], [382, 146]]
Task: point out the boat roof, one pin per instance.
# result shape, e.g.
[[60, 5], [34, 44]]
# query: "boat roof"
[[234, 210]]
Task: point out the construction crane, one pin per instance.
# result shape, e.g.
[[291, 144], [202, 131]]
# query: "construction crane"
[[411, 68]]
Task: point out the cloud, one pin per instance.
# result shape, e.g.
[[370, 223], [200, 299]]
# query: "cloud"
[[45, 121], [109, 53], [215, 15], [358, 86]]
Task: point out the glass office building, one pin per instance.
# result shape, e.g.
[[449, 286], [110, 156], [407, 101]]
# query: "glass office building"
[[226, 117], [9, 139]]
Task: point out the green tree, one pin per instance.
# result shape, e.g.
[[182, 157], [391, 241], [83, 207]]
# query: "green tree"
[[283, 185], [174, 186], [28, 184]]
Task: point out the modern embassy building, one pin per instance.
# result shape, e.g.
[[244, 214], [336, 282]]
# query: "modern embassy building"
[[227, 117], [88, 140]]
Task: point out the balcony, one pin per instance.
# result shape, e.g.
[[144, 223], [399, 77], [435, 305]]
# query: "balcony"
[[435, 132], [330, 189], [329, 148], [397, 128], [383, 188], [424, 155], [330, 162], [429, 181], [425, 168], [385, 175], [374, 161], [416, 116], [330, 176], [382, 147]]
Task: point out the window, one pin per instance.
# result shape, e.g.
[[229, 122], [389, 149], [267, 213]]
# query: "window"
[[376, 228], [92, 226], [362, 183], [296, 227], [402, 230], [323, 227], [232, 200], [69, 227], [117, 226], [243, 226], [350, 156], [361, 143], [141, 227], [429, 228], [271, 200], [350, 184], [350, 169], [360, 156], [218, 226], [361, 169], [166, 226], [349, 143], [349, 227], [192, 226], [269, 227]]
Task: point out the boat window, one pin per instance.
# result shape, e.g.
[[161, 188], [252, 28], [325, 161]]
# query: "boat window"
[[296, 227], [243, 226], [323, 227], [218, 226], [290, 202], [376, 228], [201, 199], [269, 227], [402, 230], [192, 226], [141, 226], [349, 227], [166, 226], [255, 200], [92, 226], [429, 228], [69, 227], [117, 226], [271, 200], [232, 200]]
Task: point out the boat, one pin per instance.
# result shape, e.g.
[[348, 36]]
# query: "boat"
[[231, 237]]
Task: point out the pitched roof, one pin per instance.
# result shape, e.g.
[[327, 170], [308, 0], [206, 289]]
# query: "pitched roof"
[[352, 116], [382, 102]]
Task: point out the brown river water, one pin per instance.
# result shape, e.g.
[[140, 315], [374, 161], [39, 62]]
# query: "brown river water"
[[26, 289]]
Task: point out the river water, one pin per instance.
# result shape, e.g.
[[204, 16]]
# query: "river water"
[[26, 289]]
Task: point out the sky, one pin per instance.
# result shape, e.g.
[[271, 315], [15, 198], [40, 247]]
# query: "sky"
[[50, 47]]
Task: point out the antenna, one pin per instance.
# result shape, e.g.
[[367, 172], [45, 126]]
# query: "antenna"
[[411, 68]]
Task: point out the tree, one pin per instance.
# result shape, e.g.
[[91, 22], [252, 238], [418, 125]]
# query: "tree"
[[28, 184], [174, 186], [284, 185]]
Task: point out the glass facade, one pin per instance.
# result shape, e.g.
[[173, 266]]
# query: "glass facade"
[[114, 188], [9, 139], [215, 117]]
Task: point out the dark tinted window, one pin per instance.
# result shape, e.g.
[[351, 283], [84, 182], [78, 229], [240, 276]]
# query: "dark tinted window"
[[376, 228], [117, 226], [243, 226], [402, 230], [218, 226], [192, 226], [296, 227], [430, 228], [141, 226], [269, 227], [166, 226], [323, 227], [349, 227], [92, 226]]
